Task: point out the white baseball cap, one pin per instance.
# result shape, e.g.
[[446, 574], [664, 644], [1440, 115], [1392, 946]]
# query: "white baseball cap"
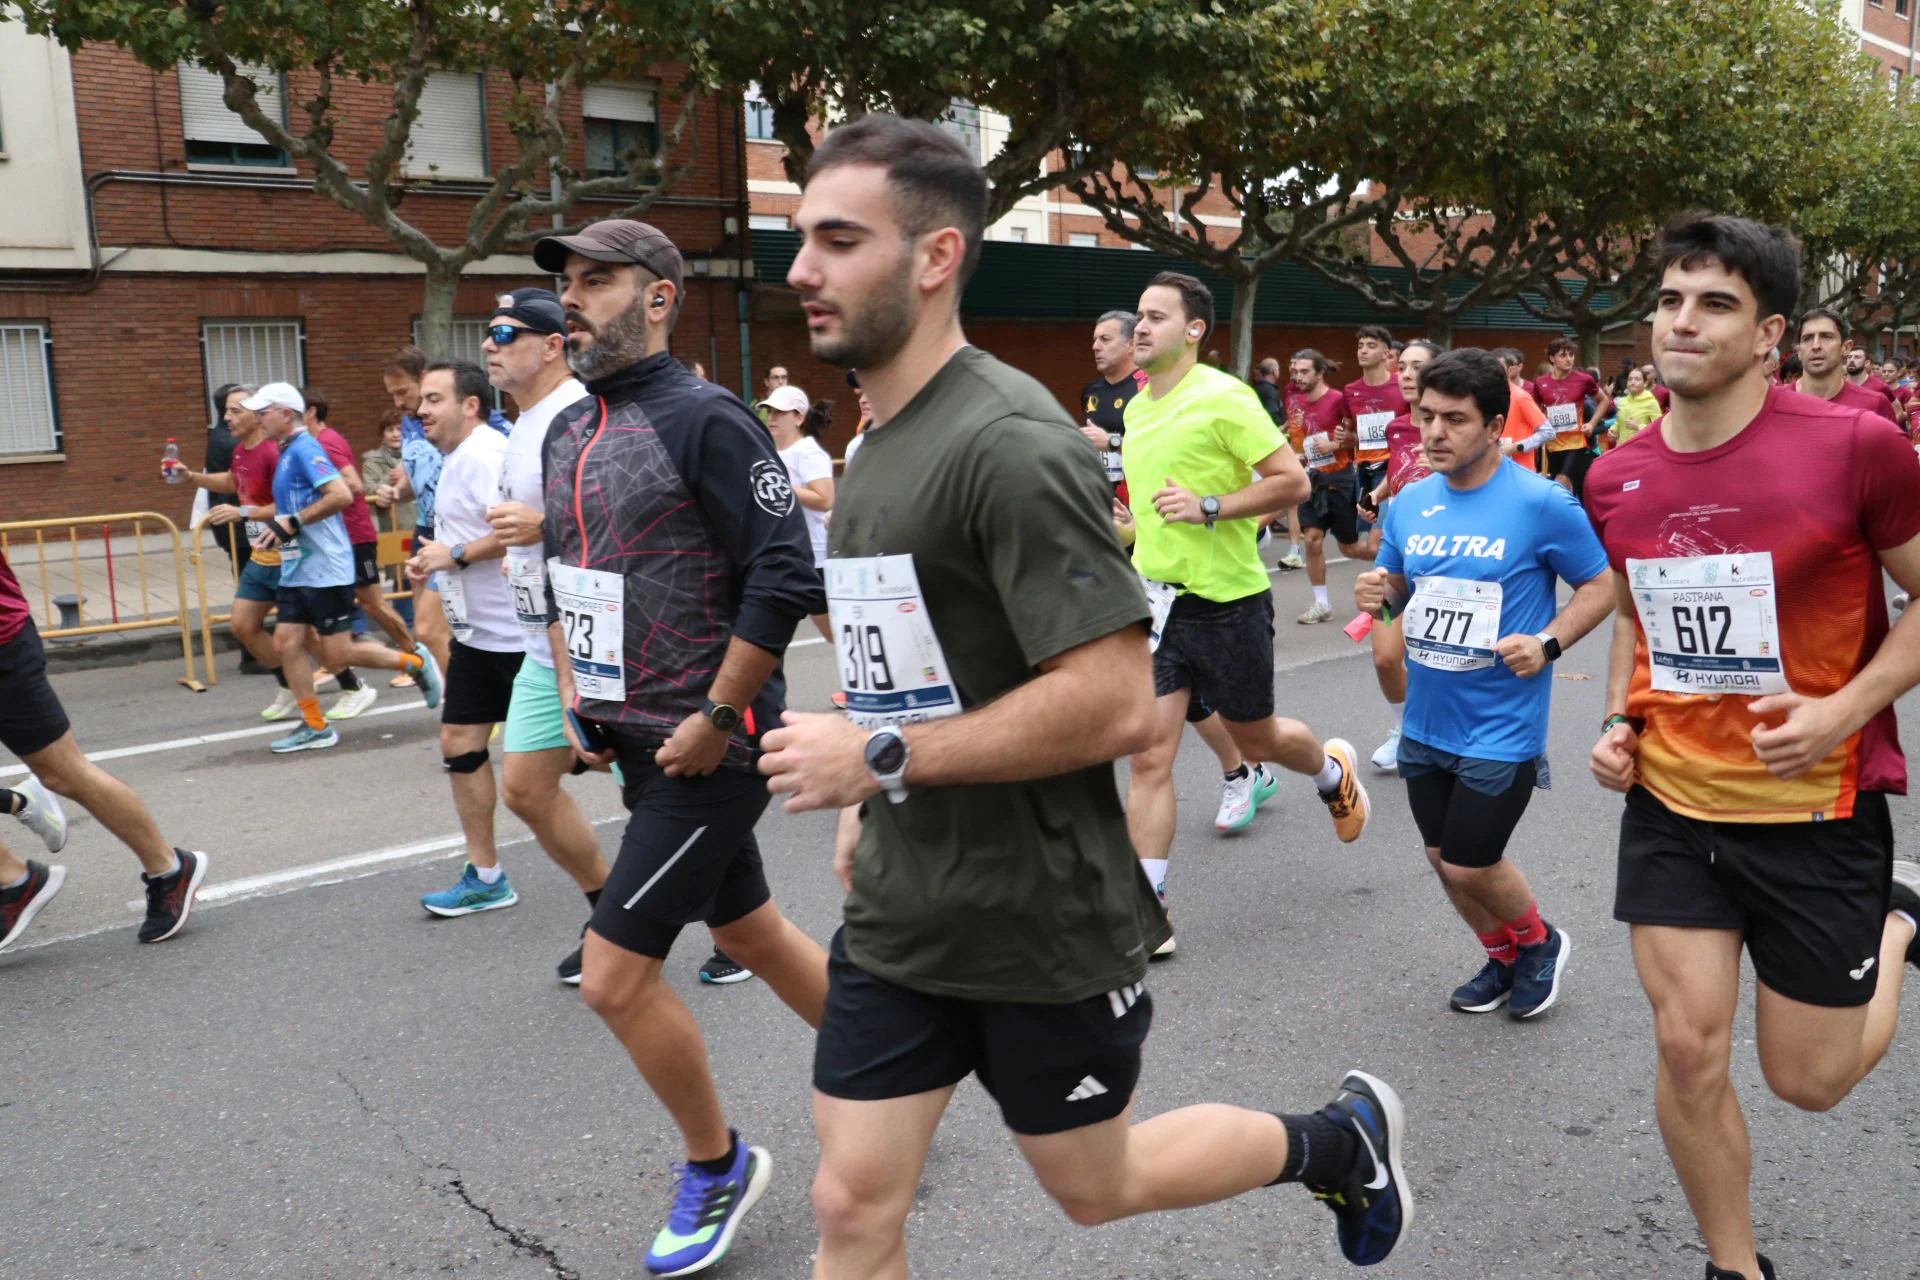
[[284, 394], [787, 399]]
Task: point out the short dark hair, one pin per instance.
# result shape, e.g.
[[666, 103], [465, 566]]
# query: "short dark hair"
[[1841, 324], [1470, 372], [317, 401], [409, 361], [469, 381], [1509, 355], [1562, 343], [1378, 332], [1196, 300], [1320, 363], [1767, 258], [220, 394], [935, 181]]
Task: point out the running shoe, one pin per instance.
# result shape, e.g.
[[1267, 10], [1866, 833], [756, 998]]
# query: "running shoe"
[[1536, 975], [721, 971], [170, 897], [470, 894], [20, 904], [1387, 758], [570, 966], [43, 815], [1486, 990], [402, 681], [1316, 612], [1241, 798], [1906, 897], [284, 705], [839, 700], [1293, 560], [1717, 1273], [1347, 802], [706, 1212], [428, 677], [305, 738], [1372, 1204], [353, 702], [1166, 949]]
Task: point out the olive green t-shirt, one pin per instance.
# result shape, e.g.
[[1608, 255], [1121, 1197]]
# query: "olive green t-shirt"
[[1024, 891]]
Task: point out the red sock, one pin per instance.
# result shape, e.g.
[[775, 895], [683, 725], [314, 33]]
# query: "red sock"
[[1529, 930], [1499, 946]]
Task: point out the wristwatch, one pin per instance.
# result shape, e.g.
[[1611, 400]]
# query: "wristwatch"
[[1551, 645], [887, 755], [459, 554], [721, 716], [1210, 508], [1114, 439], [1636, 723]]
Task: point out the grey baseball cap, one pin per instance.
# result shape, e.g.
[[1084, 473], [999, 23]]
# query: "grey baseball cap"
[[615, 240]]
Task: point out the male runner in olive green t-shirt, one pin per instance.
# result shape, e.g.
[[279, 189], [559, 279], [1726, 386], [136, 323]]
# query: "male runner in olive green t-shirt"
[[989, 635]]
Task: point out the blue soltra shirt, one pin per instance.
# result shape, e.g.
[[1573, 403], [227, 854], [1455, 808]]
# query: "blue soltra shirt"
[[1522, 531], [321, 556]]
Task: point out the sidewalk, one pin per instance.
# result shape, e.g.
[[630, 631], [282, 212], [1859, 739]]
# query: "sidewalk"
[[123, 578]]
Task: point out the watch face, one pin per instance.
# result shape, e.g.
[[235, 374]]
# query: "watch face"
[[886, 754], [724, 718]]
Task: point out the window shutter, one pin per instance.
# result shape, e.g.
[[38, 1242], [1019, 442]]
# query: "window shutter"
[[252, 353], [203, 108], [26, 391], [615, 101], [449, 137]]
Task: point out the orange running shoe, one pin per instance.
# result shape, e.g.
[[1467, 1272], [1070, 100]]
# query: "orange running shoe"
[[1347, 802]]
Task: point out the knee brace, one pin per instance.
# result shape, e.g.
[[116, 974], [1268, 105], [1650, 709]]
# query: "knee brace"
[[470, 762]]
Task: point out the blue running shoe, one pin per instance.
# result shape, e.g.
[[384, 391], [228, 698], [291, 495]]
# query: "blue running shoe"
[[1372, 1203], [428, 676], [470, 894], [707, 1211], [305, 738], [1486, 990], [1536, 975]]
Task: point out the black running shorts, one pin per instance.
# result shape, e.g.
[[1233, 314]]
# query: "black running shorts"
[[328, 610], [1332, 505], [1811, 897], [1465, 807], [1051, 1067], [688, 854], [1573, 464], [479, 684], [31, 718], [1222, 653], [366, 564]]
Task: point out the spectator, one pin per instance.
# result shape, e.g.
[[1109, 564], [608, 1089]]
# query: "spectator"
[[776, 379], [1215, 359], [1619, 387], [1635, 410], [390, 513], [698, 370], [1266, 385], [866, 418]]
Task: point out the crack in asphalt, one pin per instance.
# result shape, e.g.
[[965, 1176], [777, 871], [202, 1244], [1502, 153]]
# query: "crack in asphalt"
[[524, 1243]]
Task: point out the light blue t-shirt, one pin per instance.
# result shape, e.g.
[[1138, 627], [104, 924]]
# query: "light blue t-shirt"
[[422, 461], [322, 556], [1522, 531]]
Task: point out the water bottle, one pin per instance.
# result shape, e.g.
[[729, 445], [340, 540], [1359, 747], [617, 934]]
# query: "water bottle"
[[170, 464]]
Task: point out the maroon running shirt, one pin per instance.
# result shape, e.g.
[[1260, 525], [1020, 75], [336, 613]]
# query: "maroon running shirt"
[[13, 605], [1319, 422], [1552, 394], [359, 520], [1366, 404], [1406, 460]]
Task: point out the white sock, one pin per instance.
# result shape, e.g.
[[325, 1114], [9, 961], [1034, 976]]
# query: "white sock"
[[490, 875], [170, 870], [1293, 548], [1156, 869], [1399, 715], [1329, 776], [1911, 922], [1320, 597], [15, 884]]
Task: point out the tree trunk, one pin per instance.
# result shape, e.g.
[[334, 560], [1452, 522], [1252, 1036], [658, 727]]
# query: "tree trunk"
[[1587, 331], [436, 311], [1440, 328], [1245, 290]]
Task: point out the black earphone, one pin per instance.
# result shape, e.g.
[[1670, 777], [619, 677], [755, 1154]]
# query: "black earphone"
[[658, 302]]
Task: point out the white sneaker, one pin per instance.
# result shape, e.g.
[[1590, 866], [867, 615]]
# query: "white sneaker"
[[284, 705], [1316, 613], [43, 815], [1164, 950], [1236, 803], [353, 702], [1293, 560], [1387, 758]]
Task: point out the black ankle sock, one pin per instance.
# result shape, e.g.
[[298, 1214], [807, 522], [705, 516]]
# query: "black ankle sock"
[[724, 1164], [11, 802], [280, 675], [1720, 1273], [1239, 773], [1319, 1151], [593, 897], [348, 681]]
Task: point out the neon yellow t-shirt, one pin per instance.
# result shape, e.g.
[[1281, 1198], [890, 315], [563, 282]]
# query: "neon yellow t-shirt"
[[1206, 434], [1634, 414]]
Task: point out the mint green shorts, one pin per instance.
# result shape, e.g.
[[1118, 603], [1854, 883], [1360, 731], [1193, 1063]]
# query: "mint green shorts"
[[535, 721]]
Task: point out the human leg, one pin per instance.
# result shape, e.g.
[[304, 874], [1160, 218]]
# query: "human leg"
[[381, 612], [67, 772], [1214, 733], [473, 789], [1390, 672], [871, 1158], [1151, 802], [430, 624]]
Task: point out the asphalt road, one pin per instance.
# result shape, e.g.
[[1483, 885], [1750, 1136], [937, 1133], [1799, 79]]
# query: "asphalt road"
[[318, 1080]]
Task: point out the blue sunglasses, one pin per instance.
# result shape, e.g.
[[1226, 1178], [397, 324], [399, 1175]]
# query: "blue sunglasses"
[[504, 334]]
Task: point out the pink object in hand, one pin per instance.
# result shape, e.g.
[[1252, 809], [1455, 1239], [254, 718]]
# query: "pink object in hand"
[[1359, 628]]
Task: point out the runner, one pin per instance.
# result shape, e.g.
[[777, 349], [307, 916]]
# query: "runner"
[[1635, 411], [1756, 815], [671, 596], [486, 651], [996, 924], [1197, 433], [1266, 385], [1479, 548], [1860, 372], [1374, 400], [526, 348], [1527, 425], [315, 596], [1563, 395], [1826, 343], [1322, 432], [34, 727], [419, 472], [1406, 462]]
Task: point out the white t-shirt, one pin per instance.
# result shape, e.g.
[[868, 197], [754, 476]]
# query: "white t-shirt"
[[521, 481], [469, 484], [853, 447], [806, 462]]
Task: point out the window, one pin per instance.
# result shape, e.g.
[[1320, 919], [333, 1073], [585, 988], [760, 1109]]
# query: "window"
[[468, 333], [1893, 84], [759, 115], [27, 421], [962, 120], [1017, 234], [621, 122], [769, 222], [449, 138], [215, 135], [1084, 239], [252, 352], [1901, 7]]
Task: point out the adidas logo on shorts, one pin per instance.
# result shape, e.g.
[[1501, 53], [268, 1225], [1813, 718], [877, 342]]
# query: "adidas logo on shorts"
[[1087, 1088]]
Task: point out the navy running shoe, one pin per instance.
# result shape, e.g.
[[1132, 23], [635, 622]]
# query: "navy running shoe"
[[1372, 1203], [707, 1211], [1537, 974], [1486, 990], [1720, 1273]]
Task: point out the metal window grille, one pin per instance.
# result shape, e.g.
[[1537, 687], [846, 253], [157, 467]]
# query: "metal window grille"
[[252, 352]]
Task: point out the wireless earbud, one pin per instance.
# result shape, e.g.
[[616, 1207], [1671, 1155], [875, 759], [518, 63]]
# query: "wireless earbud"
[[658, 302]]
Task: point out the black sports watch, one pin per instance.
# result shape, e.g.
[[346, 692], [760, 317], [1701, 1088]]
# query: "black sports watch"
[[721, 716], [1551, 645], [1210, 508]]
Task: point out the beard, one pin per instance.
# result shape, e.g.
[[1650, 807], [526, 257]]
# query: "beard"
[[873, 335], [619, 342]]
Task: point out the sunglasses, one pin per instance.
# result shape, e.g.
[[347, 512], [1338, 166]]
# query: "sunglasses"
[[504, 334]]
